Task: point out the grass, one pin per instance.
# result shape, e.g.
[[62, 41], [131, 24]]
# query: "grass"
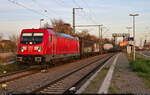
[[112, 90], [142, 67], [93, 87]]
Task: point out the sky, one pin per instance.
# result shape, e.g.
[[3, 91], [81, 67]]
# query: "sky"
[[16, 15]]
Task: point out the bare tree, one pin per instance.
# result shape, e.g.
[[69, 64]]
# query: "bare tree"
[[86, 35], [62, 27], [14, 42], [1, 36]]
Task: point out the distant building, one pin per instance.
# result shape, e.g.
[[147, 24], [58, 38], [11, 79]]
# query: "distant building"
[[5, 43], [147, 46]]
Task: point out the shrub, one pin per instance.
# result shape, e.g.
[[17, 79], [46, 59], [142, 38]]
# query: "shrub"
[[141, 65]]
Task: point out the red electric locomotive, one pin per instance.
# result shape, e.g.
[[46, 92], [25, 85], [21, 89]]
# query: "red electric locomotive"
[[43, 45]]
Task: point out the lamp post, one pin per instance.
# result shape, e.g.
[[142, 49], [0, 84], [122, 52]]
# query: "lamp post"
[[41, 21], [133, 15], [129, 29]]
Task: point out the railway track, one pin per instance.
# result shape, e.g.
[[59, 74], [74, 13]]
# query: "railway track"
[[19, 74], [12, 73], [29, 83], [63, 83], [16, 75]]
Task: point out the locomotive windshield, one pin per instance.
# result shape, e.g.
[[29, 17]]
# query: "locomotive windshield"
[[32, 38]]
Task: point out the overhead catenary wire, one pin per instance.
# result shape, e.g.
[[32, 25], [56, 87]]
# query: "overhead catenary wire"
[[84, 12], [53, 11], [61, 4], [89, 17], [106, 32], [75, 3], [50, 13], [29, 9], [43, 13], [44, 9], [92, 13]]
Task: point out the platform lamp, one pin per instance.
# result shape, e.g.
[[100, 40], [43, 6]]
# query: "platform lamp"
[[133, 15], [41, 21]]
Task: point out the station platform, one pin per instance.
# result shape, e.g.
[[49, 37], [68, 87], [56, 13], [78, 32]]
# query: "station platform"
[[124, 80]]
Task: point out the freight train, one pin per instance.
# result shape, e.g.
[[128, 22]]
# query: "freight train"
[[44, 45]]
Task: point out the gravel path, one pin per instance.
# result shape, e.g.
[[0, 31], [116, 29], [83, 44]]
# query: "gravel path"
[[126, 81]]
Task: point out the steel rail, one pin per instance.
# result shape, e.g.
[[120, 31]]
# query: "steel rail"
[[65, 75]]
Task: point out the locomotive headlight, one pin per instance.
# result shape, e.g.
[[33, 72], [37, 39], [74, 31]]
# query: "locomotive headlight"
[[39, 49], [23, 48]]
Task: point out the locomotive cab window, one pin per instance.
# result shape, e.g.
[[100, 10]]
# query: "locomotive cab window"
[[38, 38], [34, 38], [26, 38]]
